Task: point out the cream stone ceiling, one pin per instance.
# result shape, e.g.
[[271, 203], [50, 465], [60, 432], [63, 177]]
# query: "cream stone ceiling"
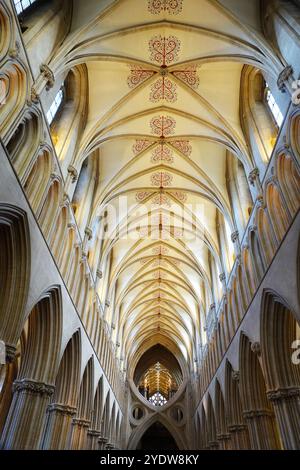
[[164, 91]]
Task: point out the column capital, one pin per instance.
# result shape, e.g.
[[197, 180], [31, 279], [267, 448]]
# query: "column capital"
[[94, 433], [84, 423], [10, 352], [66, 410], [223, 437], [283, 393], [33, 387], [237, 427], [251, 414]]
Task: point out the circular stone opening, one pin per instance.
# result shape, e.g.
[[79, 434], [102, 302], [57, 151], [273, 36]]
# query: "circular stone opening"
[[176, 414], [137, 413]]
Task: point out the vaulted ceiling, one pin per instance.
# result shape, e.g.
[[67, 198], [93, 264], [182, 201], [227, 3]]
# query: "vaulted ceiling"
[[164, 116]]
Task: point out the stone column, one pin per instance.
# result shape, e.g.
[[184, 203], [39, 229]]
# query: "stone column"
[[27, 412], [79, 433], [224, 441], [262, 431], [239, 436], [57, 434], [93, 439], [102, 443], [286, 404]]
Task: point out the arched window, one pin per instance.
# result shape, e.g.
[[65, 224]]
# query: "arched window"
[[22, 5], [51, 113], [273, 106]]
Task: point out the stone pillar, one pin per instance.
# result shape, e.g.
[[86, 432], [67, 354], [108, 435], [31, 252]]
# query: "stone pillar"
[[27, 412], [262, 431], [224, 441], [102, 443], [239, 436], [57, 434], [286, 404], [93, 439], [79, 433]]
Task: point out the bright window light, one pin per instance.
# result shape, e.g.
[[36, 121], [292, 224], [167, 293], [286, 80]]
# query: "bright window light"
[[55, 105], [22, 5], [157, 399], [277, 114]]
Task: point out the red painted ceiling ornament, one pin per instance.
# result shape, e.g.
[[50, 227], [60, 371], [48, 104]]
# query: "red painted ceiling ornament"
[[138, 75], [164, 51], [180, 195], [183, 146], [162, 126], [188, 76], [142, 195], [167, 6], [161, 200], [162, 153], [161, 179], [163, 89], [160, 250], [140, 146]]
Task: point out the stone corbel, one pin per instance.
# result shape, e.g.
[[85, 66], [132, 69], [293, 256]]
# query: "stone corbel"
[[48, 76], [256, 348], [14, 53], [73, 173], [99, 273], [235, 375], [283, 78], [88, 232], [253, 176]]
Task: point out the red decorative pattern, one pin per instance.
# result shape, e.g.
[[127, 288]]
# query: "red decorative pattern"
[[164, 50], [161, 179], [180, 195], [162, 125], [183, 146], [163, 89], [159, 275], [140, 146], [161, 200], [168, 6], [160, 250], [188, 76], [142, 195], [162, 153], [138, 75]]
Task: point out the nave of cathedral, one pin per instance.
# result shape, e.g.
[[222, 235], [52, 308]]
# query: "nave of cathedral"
[[149, 224]]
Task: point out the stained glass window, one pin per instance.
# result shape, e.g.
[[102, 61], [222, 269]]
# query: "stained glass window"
[[157, 399]]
